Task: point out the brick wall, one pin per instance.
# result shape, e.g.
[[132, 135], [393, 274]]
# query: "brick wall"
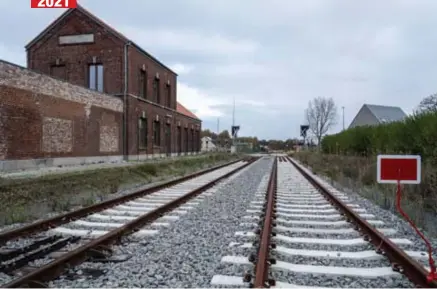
[[135, 108], [106, 48], [42, 117], [136, 62]]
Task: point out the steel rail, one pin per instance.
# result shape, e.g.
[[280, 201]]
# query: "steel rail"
[[59, 220], [401, 262], [263, 259], [55, 268]]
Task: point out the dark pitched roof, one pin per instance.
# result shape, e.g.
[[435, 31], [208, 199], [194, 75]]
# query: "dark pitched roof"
[[183, 110], [101, 23], [386, 113]]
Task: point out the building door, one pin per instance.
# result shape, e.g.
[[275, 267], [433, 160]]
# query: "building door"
[[168, 139], [179, 132]]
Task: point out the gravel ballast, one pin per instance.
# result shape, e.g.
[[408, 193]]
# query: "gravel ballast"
[[187, 253], [332, 280], [192, 250], [404, 230]]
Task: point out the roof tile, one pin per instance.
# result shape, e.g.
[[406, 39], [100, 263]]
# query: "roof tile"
[[183, 110]]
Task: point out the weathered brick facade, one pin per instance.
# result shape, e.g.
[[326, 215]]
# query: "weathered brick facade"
[[46, 53], [138, 107], [137, 61], [111, 49], [41, 117]]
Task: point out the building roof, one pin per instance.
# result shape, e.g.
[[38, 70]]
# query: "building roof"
[[386, 113], [101, 23], [183, 110]]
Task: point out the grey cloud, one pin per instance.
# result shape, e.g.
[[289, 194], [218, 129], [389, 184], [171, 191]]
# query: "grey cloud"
[[380, 52]]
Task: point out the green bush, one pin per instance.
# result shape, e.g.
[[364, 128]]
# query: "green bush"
[[417, 134]]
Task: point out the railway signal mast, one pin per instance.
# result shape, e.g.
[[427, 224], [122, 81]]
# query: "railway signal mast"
[[303, 132]]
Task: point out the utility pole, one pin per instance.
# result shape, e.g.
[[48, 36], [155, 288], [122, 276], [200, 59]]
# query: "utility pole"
[[218, 126], [343, 116], [233, 123], [233, 114], [217, 141]]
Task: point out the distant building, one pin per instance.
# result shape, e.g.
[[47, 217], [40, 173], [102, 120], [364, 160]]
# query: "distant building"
[[207, 145], [371, 114]]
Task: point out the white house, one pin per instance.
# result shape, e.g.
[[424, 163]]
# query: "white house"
[[207, 144]]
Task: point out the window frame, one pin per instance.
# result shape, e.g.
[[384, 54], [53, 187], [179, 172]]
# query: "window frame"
[[168, 94], [142, 84], [192, 140], [143, 139], [156, 90], [156, 133], [187, 140], [96, 77]]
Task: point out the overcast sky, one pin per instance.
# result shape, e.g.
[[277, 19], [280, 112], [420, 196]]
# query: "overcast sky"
[[272, 56]]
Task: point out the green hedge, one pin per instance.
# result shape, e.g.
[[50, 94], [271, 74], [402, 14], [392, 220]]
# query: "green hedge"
[[415, 135]]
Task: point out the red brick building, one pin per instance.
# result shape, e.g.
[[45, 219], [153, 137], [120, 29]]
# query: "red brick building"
[[47, 122], [93, 58], [83, 50]]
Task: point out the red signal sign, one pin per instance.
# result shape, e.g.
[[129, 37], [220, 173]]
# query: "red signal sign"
[[394, 168]]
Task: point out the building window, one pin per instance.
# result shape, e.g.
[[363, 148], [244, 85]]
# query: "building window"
[[142, 132], [179, 139], [157, 133], [168, 94], [156, 91], [186, 139], [168, 137], [143, 84], [58, 71], [95, 81], [192, 140]]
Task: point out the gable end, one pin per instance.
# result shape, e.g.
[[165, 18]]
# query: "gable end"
[[58, 23]]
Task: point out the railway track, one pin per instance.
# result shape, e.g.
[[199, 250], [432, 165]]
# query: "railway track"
[[300, 234], [40, 252]]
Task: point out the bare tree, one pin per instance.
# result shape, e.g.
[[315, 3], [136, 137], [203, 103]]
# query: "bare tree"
[[428, 104], [321, 115]]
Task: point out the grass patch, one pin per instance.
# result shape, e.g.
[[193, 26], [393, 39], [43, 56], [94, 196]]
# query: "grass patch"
[[26, 199], [358, 174]]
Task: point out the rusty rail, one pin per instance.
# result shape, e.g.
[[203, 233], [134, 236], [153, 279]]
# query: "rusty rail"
[[401, 262], [83, 212], [263, 260], [81, 254]]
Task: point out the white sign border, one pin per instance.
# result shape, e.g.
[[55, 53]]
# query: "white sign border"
[[378, 169]]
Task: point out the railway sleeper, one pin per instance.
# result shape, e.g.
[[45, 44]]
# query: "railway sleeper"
[[13, 265], [12, 254]]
